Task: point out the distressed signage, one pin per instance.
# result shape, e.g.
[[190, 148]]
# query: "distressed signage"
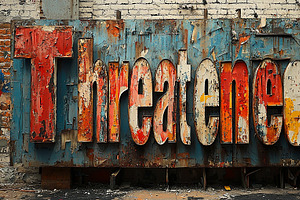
[[43, 45], [141, 93]]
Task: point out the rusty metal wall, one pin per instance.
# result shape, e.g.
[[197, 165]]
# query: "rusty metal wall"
[[156, 93]]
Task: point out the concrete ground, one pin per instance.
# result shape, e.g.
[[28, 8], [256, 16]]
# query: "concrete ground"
[[19, 191]]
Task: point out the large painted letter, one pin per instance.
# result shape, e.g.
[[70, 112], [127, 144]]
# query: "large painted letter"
[[88, 75], [291, 86], [118, 84], [43, 44], [206, 95], [183, 76], [267, 99], [235, 79], [140, 72], [165, 73]]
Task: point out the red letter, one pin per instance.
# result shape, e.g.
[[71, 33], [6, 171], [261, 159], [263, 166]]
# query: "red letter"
[[165, 73], [43, 44], [117, 85], [267, 92], [140, 72], [238, 78]]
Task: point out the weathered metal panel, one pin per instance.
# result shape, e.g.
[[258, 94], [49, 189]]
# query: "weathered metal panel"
[[197, 45]]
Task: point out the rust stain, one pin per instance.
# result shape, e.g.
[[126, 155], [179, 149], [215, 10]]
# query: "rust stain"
[[165, 72], [42, 44], [114, 27], [140, 72]]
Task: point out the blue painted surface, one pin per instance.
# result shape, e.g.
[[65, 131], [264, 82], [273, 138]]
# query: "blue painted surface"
[[4, 83], [163, 39]]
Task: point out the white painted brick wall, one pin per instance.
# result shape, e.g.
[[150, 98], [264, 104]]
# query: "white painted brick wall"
[[159, 9], [19, 9], [188, 9]]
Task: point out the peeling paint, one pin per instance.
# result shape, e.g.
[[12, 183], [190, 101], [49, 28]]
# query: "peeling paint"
[[165, 72], [237, 78], [291, 88], [89, 75], [140, 72], [183, 76], [206, 94], [42, 45], [118, 84], [267, 71], [85, 95], [207, 44]]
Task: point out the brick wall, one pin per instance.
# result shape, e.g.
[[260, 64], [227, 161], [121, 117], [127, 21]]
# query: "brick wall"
[[188, 9], [157, 9], [5, 62], [19, 9]]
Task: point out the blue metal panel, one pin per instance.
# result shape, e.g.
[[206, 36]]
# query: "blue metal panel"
[[219, 40]]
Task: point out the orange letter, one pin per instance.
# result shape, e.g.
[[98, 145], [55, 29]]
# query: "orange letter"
[[87, 76], [235, 79], [118, 84]]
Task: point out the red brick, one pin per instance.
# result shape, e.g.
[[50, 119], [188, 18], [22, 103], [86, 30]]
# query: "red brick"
[[3, 48], [4, 25], [6, 36], [2, 59]]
